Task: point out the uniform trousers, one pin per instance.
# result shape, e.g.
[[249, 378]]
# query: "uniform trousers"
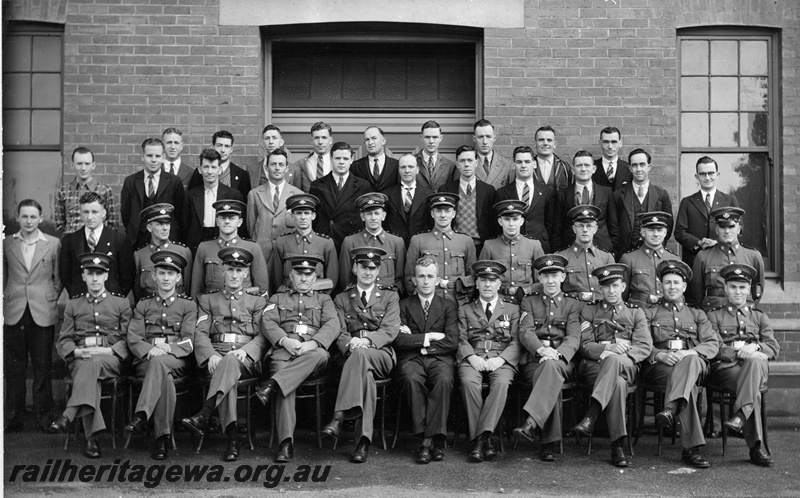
[[288, 375], [223, 385], [544, 404], [357, 389], [681, 381], [610, 379], [747, 377], [427, 380], [157, 397], [86, 391], [483, 415]]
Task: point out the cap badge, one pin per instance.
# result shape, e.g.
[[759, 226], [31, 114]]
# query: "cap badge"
[[302, 201], [96, 261], [235, 255], [655, 218], [672, 266], [737, 271], [726, 215], [370, 201], [168, 260], [605, 273], [549, 262], [163, 211], [306, 263], [585, 212], [370, 255], [226, 206], [442, 199]]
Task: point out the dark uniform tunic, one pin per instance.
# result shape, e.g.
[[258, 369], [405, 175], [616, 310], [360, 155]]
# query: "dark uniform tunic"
[[453, 253], [643, 287], [207, 269], [145, 285], [580, 283], [707, 288], [518, 255], [314, 244], [392, 264]]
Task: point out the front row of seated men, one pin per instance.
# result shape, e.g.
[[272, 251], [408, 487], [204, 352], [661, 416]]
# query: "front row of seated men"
[[230, 331]]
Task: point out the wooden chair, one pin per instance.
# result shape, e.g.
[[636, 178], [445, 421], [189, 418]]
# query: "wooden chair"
[[726, 398], [111, 389], [318, 388], [567, 398], [244, 392], [182, 387]]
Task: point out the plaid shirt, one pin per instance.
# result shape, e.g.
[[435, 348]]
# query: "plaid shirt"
[[68, 208]]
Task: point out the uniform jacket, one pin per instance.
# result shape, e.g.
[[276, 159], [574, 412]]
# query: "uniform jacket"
[[657, 199], [337, 215], [580, 263], [392, 264], [379, 321], [745, 324], [453, 252], [484, 196], [501, 171], [552, 320], [207, 269], [286, 310], [693, 222], [362, 168], [145, 270], [539, 217], [707, 266], [518, 255], [195, 211], [560, 174], [223, 312], [502, 328], [444, 171], [417, 220], [170, 190], [607, 236], [107, 315], [642, 282], [37, 288], [172, 319], [240, 180], [622, 175], [294, 244], [671, 321], [442, 317], [264, 224], [601, 322], [122, 274]]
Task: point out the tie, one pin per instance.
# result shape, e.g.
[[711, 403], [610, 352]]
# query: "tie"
[[340, 184], [276, 199], [430, 167], [426, 308], [173, 169], [376, 172], [150, 186], [364, 298], [641, 192], [610, 173], [92, 240], [486, 165], [407, 200], [469, 190], [708, 203], [488, 311], [320, 168], [585, 196], [526, 195]]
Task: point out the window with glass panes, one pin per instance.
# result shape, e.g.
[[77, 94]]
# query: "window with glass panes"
[[728, 111]]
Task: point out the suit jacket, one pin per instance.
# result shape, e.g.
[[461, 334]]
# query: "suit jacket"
[[258, 178], [337, 215], [539, 218], [607, 236], [501, 171], [442, 317], [185, 172], [193, 217], [417, 220], [170, 190], [693, 222], [122, 275], [561, 173], [306, 169], [657, 199], [443, 172], [362, 168], [622, 176], [240, 180], [38, 287], [265, 224], [484, 197]]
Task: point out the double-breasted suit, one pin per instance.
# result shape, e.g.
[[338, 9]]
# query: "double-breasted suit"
[[134, 198], [607, 236], [538, 217], [407, 224], [444, 171], [195, 212], [389, 176], [266, 224], [628, 208], [694, 222], [337, 216], [122, 274]]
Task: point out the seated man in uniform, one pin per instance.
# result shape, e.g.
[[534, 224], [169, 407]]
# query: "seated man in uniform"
[[373, 214], [583, 257], [683, 345], [160, 337], [614, 340], [207, 271], [157, 220], [747, 344], [370, 320], [92, 343], [301, 325], [642, 286], [426, 345], [228, 343], [488, 351], [515, 250], [550, 331]]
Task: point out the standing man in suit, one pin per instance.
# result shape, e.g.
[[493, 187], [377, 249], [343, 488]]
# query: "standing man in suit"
[[230, 174], [406, 209], [434, 169], [173, 162], [68, 207], [272, 140], [694, 227], [584, 192], [492, 168], [336, 192], [426, 345], [537, 216], [152, 185], [200, 215], [376, 167], [611, 170], [31, 287], [95, 237], [550, 169], [267, 216], [636, 197], [317, 163], [475, 216]]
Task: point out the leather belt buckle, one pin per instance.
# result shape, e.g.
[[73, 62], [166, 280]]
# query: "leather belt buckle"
[[159, 340], [676, 344], [586, 296], [228, 338], [604, 343], [301, 329], [91, 341], [737, 345], [547, 343], [487, 345]]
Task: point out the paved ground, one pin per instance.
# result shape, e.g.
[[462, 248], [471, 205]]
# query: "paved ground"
[[393, 472]]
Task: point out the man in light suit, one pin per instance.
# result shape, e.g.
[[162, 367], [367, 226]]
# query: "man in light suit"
[[173, 162], [611, 170], [230, 174], [434, 169], [376, 167], [272, 140], [550, 169], [267, 216], [492, 168], [695, 229], [318, 163], [406, 212], [31, 286]]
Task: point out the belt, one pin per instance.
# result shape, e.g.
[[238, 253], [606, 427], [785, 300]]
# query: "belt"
[[489, 345], [715, 292], [644, 296], [363, 333], [737, 344], [586, 297], [301, 329], [170, 339], [92, 341], [231, 338], [551, 343], [672, 344]]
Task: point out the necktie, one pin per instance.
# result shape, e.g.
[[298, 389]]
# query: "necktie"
[[488, 311], [92, 240], [469, 190], [173, 169], [486, 165], [610, 173], [426, 308], [708, 202], [407, 200], [641, 192], [526, 195], [276, 199], [430, 167], [585, 196], [340, 184], [364, 298], [150, 186], [320, 167], [376, 169]]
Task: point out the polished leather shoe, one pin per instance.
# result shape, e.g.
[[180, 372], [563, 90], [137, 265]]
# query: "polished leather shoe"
[[437, 452], [263, 391], [92, 449], [285, 452], [160, 451], [59, 426], [760, 457], [693, 457], [478, 453], [333, 429], [360, 453], [666, 418], [736, 424], [232, 453], [196, 423], [491, 453], [547, 454], [618, 457], [137, 425], [424, 455], [585, 427], [526, 431]]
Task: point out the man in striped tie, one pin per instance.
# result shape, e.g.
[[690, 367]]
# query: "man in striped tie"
[[406, 212]]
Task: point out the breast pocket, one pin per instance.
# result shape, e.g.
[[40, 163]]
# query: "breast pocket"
[[573, 278], [246, 324], [751, 332], [660, 333], [689, 331], [146, 281], [456, 263], [312, 314], [386, 272], [526, 268], [711, 278], [641, 278], [213, 273]]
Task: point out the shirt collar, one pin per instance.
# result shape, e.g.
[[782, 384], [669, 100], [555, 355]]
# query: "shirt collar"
[[412, 186], [440, 233], [528, 182], [227, 243], [493, 304], [39, 236], [156, 247], [213, 189], [98, 231], [343, 177], [166, 301], [713, 193], [381, 235], [677, 305], [606, 162], [368, 291], [589, 185], [176, 162], [156, 175], [309, 236], [729, 247], [509, 240], [232, 295], [578, 249], [745, 308], [98, 299], [646, 186], [488, 157], [464, 184], [426, 157], [224, 166], [652, 252], [273, 186], [91, 184], [555, 300], [617, 307]]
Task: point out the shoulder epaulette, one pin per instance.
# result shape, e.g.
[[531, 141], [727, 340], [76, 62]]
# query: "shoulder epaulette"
[[596, 301], [349, 286], [715, 309], [324, 236], [748, 247], [537, 293], [632, 250], [141, 246], [254, 293], [461, 233], [602, 250], [562, 249], [287, 233], [246, 239], [386, 287], [212, 291], [756, 309], [117, 294], [630, 305], [184, 296], [671, 252], [76, 296], [148, 296], [390, 233], [179, 244]]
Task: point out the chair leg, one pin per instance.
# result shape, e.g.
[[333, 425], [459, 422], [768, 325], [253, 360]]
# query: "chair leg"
[[172, 439], [502, 426], [383, 416], [723, 417], [318, 403], [114, 393], [631, 419], [764, 441], [248, 414], [397, 418]]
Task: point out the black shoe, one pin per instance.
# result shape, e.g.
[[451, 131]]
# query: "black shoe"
[[491, 453], [285, 452], [92, 449], [424, 455], [585, 427], [361, 451], [478, 453], [760, 457], [197, 423], [263, 391], [160, 451], [547, 454], [333, 429], [736, 424], [666, 418], [712, 434], [526, 431], [618, 457], [437, 452], [137, 425], [695, 458], [232, 453], [59, 426]]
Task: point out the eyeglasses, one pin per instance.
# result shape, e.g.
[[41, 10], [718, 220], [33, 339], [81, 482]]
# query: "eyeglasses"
[[707, 173]]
